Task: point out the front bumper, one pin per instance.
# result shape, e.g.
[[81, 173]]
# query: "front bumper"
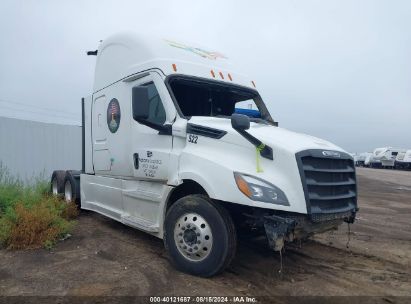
[[329, 183], [282, 229]]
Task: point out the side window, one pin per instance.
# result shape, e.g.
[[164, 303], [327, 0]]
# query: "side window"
[[157, 114]]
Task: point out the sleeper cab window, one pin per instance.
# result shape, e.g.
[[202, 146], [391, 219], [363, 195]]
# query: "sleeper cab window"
[[156, 111]]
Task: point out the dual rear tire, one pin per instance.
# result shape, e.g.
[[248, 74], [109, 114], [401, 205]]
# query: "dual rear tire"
[[66, 184]]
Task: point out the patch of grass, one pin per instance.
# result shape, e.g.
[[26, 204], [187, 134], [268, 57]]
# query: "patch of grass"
[[30, 217]]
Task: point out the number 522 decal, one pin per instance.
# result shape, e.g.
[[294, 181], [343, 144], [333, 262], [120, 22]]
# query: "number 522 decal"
[[192, 138]]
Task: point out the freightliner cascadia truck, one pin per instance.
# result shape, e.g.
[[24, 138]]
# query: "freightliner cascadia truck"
[[180, 145]]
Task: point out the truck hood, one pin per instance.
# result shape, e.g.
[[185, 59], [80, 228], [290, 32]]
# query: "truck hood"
[[275, 137]]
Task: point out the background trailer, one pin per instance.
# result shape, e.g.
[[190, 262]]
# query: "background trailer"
[[31, 148]]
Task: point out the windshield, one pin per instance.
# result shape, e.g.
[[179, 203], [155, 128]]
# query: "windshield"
[[200, 97]]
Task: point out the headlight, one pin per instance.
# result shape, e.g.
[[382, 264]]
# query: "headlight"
[[259, 190]]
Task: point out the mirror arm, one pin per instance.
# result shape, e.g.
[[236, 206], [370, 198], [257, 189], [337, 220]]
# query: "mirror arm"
[[163, 129], [266, 152], [166, 130]]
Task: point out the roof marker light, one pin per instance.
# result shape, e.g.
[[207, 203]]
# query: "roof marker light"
[[252, 81], [229, 76], [212, 73], [221, 75], [174, 67]]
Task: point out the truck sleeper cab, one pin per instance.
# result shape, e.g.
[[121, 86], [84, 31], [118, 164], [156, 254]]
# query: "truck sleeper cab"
[[168, 150]]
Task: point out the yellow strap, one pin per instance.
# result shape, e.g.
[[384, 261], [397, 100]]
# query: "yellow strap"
[[258, 154]]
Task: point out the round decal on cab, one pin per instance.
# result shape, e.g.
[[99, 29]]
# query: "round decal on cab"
[[113, 115]]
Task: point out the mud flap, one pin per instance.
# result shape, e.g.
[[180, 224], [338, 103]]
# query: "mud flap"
[[278, 229]]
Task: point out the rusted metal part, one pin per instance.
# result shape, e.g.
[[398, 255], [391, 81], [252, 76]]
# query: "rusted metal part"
[[278, 230]]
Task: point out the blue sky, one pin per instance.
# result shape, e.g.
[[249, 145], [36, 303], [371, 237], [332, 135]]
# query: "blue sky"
[[339, 70]]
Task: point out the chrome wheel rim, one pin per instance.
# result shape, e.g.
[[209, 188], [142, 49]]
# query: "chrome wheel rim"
[[193, 237], [54, 187], [68, 194]]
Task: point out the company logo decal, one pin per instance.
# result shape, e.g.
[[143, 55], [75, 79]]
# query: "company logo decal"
[[331, 153], [113, 115], [197, 51]]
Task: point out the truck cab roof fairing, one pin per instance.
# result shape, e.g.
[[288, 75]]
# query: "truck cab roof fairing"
[[125, 54]]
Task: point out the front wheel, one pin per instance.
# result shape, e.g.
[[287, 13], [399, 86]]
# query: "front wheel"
[[199, 236]]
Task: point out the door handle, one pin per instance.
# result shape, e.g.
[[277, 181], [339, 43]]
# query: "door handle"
[[136, 161]]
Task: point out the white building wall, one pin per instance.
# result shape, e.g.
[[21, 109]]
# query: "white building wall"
[[30, 149]]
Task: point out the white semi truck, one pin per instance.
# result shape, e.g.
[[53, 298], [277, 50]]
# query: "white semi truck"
[[166, 150]]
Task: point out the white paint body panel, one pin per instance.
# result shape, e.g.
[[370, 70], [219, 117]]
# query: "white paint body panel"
[[212, 162], [126, 54], [139, 204]]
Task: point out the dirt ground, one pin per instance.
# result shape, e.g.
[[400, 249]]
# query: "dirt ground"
[[104, 257]]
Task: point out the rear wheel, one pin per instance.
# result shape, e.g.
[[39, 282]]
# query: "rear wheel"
[[57, 182], [71, 189], [199, 236], [68, 191]]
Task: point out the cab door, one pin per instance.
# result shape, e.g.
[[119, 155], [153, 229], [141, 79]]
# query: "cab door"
[[151, 145], [152, 139]]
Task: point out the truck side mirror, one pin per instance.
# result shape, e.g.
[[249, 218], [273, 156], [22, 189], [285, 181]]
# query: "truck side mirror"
[[141, 103], [240, 122]]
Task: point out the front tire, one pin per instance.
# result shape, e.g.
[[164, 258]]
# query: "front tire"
[[199, 236]]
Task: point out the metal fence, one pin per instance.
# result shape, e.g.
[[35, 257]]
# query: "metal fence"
[[31, 149]]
